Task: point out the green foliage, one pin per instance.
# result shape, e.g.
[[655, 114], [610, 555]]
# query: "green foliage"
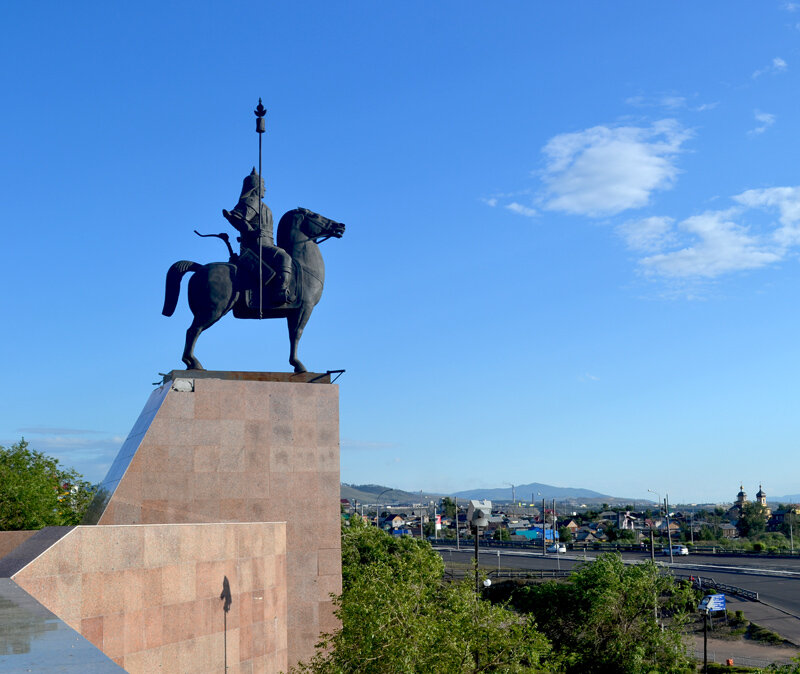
[[752, 520], [36, 492], [397, 616], [449, 507], [793, 668], [616, 534], [501, 534], [789, 525], [564, 534], [758, 633], [603, 618], [709, 533]]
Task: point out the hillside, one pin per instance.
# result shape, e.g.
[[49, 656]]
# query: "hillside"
[[369, 493]]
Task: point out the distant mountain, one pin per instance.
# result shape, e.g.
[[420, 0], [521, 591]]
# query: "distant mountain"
[[537, 491], [789, 498], [374, 493], [370, 493]]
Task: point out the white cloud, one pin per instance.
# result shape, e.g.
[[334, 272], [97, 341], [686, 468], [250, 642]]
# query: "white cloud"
[[765, 119], [491, 201], [605, 170], [720, 246], [670, 101], [787, 201], [778, 65], [521, 210], [706, 106], [647, 235]]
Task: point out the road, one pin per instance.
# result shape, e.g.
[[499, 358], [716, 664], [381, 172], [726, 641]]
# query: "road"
[[777, 581]]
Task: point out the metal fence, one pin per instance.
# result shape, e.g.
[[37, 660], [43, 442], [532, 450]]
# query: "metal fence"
[[701, 582], [737, 660], [616, 547]]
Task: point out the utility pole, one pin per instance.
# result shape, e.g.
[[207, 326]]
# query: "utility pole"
[[458, 542], [555, 522], [669, 531], [544, 528]]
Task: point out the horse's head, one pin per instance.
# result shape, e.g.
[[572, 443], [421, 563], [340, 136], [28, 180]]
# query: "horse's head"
[[300, 226], [317, 226]]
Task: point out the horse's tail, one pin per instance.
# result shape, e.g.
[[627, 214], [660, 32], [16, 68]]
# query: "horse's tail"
[[173, 290]]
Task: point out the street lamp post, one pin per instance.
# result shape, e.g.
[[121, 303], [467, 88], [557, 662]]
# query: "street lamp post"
[[669, 531], [378, 507], [652, 539], [478, 520]]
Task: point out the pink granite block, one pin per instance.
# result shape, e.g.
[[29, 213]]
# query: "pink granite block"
[[329, 561], [178, 622], [171, 432], [161, 546], [206, 401], [92, 629], [67, 590], [328, 622], [153, 627], [209, 577], [114, 635], [134, 627], [177, 405], [245, 608], [327, 586], [178, 583]]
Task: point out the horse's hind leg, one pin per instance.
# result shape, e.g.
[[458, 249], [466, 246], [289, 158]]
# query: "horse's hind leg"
[[211, 296]]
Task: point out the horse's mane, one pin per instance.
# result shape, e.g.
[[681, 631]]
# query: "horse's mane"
[[285, 227]]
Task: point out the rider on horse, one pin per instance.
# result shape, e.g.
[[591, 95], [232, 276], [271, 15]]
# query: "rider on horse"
[[276, 263]]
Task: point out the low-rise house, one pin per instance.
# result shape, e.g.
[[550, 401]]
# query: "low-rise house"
[[572, 525]]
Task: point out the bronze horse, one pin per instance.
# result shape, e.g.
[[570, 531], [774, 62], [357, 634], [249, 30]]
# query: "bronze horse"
[[218, 287]]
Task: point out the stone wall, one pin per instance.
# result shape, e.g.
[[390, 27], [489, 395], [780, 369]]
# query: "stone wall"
[[149, 596]]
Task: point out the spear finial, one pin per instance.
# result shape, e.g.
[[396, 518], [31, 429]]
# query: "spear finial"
[[259, 112]]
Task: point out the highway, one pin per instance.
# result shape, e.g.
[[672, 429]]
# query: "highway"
[[776, 580]]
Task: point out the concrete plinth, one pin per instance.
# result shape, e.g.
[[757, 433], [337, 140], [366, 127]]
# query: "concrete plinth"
[[225, 447]]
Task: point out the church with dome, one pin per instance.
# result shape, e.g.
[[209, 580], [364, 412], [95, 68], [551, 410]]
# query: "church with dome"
[[735, 510]]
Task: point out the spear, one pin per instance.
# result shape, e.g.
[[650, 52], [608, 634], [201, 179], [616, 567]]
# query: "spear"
[[261, 126]]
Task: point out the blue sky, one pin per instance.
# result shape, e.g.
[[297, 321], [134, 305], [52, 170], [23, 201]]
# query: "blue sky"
[[572, 244]]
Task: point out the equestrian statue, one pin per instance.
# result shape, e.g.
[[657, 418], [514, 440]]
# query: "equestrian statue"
[[263, 280]]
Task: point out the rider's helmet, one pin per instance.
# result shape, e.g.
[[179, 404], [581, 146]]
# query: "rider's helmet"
[[250, 183]]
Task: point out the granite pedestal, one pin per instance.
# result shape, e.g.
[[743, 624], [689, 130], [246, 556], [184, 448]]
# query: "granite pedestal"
[[242, 447]]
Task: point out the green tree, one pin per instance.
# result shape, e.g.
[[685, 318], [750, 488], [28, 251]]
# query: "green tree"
[[564, 534], [35, 491], [789, 525], [614, 533], [603, 618], [449, 507], [501, 534], [752, 520], [397, 616]]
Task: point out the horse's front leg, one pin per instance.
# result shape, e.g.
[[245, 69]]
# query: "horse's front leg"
[[296, 322], [188, 350]]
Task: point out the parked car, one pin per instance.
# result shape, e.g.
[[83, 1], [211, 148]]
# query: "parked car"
[[677, 550], [557, 547]]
